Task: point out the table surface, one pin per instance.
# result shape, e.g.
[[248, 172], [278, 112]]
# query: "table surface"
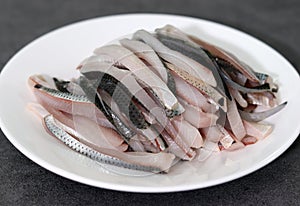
[[22, 182]]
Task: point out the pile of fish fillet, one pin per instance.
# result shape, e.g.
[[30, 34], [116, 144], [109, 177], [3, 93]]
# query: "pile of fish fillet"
[[146, 102]]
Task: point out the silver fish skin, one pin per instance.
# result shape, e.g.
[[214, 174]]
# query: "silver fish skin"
[[259, 116], [82, 127], [63, 95], [52, 100], [74, 144]]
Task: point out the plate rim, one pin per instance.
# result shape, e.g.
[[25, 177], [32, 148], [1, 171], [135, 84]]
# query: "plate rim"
[[129, 188]]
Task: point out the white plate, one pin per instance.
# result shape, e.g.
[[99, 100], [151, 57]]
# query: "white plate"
[[60, 51]]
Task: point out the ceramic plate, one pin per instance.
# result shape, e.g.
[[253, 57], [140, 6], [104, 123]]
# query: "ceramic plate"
[[59, 52]]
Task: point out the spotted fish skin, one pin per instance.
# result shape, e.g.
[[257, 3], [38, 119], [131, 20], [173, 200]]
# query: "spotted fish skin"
[[218, 99], [121, 95], [62, 95], [197, 54], [91, 94], [171, 82], [74, 144]]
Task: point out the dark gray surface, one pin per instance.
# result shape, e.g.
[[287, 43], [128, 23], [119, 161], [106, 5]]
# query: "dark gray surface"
[[22, 182]]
